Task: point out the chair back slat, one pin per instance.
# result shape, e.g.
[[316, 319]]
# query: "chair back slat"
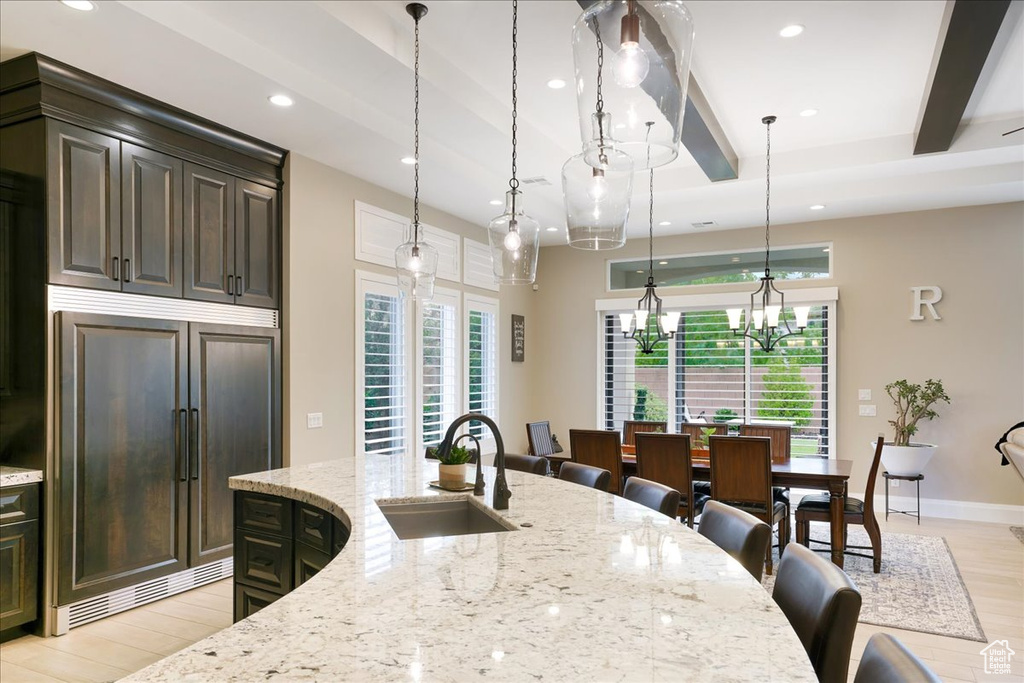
[[630, 428], [598, 448], [781, 436], [539, 436], [665, 458], [741, 472], [695, 430]]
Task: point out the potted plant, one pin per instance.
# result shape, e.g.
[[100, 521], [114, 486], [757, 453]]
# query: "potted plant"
[[452, 470], [913, 403], [705, 437]]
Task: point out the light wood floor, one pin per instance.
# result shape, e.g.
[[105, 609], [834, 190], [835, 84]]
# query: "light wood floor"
[[990, 558]]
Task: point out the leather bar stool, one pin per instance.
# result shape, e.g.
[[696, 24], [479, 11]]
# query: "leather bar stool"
[[652, 494], [585, 475], [533, 464], [743, 536], [887, 660]]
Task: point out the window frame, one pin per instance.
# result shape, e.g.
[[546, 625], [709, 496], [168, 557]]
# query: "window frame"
[[484, 304]]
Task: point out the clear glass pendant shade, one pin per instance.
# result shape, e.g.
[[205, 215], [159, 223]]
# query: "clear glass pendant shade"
[[416, 263], [597, 200], [515, 243], [646, 47]]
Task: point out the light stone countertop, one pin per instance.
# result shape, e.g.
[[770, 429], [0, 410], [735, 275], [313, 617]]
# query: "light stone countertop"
[[16, 476], [598, 589]]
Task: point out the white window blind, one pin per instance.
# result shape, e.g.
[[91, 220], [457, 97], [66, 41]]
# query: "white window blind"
[[481, 360], [384, 347], [439, 355], [708, 373]]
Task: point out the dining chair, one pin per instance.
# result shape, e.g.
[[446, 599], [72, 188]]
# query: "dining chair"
[[741, 476], [695, 430], [533, 464], [782, 437], [538, 435], [665, 458], [664, 499], [598, 448], [585, 475], [739, 533], [630, 428], [822, 605], [816, 508], [887, 660]]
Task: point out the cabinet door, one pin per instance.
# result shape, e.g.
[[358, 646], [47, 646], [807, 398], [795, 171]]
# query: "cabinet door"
[[19, 571], [83, 207], [235, 407], [122, 513], [209, 249], [150, 222], [257, 245]]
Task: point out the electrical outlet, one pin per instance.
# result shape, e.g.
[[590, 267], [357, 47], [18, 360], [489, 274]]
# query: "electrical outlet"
[[314, 420], [864, 395], [868, 411]]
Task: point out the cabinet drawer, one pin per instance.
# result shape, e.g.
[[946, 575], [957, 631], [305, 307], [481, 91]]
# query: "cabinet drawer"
[[340, 534], [258, 512], [19, 503], [308, 563], [263, 561], [249, 600], [313, 527]]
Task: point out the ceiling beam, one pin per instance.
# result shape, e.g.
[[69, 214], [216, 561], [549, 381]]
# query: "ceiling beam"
[[959, 60], [702, 134]]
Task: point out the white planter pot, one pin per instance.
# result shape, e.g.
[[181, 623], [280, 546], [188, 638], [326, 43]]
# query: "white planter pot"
[[452, 476], [907, 460]]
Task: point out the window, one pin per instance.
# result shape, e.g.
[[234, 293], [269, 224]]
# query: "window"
[[481, 361], [439, 355], [708, 373], [383, 370], [809, 262]]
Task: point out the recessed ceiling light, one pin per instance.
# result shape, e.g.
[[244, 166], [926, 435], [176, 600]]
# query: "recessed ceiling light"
[[81, 5], [791, 31], [556, 84], [808, 112], [409, 160], [662, 263], [663, 223], [826, 250], [746, 270], [495, 202], [552, 229], [281, 100], [817, 207], [640, 271], [735, 259]]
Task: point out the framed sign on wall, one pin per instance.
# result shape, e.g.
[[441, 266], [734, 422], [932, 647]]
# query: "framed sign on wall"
[[518, 338]]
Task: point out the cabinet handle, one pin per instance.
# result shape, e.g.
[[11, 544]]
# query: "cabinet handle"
[[127, 276], [181, 442], [238, 285], [193, 429], [117, 269], [231, 285]]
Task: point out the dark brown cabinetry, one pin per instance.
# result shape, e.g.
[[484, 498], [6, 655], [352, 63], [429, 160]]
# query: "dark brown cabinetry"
[[19, 555], [156, 415], [151, 222], [279, 545], [257, 236]]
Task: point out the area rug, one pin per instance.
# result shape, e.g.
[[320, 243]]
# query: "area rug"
[[1018, 531], [918, 589]]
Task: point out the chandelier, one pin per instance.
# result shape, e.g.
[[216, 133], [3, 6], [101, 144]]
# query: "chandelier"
[[766, 321], [415, 260]]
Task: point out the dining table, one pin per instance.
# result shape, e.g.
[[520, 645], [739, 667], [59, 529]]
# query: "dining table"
[[823, 474]]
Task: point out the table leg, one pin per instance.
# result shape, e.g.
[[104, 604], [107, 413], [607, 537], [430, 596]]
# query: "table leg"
[[837, 512], [887, 500], [919, 502]]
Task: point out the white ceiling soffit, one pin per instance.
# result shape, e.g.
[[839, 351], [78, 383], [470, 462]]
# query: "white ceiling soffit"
[[863, 65]]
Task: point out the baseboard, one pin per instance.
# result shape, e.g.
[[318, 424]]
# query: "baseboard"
[[967, 510]]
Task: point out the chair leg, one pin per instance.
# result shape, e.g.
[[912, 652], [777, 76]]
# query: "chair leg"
[[768, 560], [803, 532], [875, 534]]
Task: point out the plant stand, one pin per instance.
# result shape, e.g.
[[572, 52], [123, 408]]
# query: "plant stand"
[[903, 477]]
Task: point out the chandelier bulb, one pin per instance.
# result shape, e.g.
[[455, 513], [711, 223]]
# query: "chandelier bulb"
[[630, 65], [598, 188], [513, 241]]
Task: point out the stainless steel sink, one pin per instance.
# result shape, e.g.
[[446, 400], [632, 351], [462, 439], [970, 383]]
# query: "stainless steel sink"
[[431, 517]]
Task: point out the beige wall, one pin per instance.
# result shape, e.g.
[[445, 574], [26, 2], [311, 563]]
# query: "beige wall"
[[973, 253], [320, 316]]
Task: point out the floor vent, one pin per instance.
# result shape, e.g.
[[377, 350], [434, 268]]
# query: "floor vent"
[[105, 605]]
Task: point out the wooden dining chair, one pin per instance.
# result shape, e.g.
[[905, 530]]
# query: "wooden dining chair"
[[665, 458], [781, 436], [598, 448], [816, 508], [695, 430], [630, 428], [741, 476]]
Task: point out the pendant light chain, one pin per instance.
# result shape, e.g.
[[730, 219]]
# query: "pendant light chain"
[[768, 195], [416, 137], [600, 67], [514, 182], [650, 233]]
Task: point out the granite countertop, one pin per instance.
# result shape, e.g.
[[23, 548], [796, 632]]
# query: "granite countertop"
[[16, 476], [598, 588]]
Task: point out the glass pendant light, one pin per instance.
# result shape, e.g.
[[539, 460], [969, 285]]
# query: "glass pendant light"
[[652, 43], [647, 324], [514, 236], [766, 316], [415, 260], [597, 197]]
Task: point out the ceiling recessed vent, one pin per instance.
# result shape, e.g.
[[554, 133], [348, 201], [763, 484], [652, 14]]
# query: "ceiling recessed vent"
[[539, 181], [704, 224]]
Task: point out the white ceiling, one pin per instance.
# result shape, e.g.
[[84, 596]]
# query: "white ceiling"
[[863, 65]]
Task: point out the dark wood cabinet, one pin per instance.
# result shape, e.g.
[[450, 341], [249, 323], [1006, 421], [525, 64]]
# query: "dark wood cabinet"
[[257, 245], [249, 600], [151, 222], [83, 207], [209, 234], [19, 555], [123, 485]]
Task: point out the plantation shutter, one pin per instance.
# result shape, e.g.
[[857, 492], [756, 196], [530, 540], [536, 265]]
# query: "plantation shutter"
[[636, 386], [384, 374], [438, 366], [482, 361]]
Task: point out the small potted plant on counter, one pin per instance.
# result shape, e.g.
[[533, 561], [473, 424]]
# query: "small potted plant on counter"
[[913, 403], [452, 470]]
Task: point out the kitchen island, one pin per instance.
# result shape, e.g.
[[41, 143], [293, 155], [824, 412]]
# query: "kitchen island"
[[594, 587]]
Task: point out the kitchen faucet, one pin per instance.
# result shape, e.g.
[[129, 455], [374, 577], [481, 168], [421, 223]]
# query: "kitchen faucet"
[[499, 500]]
